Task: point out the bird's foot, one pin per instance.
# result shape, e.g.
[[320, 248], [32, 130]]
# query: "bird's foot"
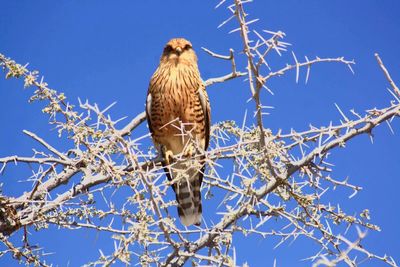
[[169, 156], [190, 150]]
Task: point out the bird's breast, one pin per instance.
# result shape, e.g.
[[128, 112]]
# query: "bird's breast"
[[174, 95]]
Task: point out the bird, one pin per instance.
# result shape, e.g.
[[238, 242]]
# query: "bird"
[[179, 115]]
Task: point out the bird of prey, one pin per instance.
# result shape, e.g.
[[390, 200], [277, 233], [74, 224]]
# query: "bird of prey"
[[178, 115]]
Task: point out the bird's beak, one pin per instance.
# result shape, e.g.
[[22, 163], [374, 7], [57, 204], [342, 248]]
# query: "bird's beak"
[[178, 50]]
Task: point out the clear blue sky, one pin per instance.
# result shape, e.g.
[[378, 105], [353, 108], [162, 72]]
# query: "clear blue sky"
[[106, 51]]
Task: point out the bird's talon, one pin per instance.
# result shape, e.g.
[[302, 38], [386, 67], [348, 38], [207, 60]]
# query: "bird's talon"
[[189, 152], [168, 157]]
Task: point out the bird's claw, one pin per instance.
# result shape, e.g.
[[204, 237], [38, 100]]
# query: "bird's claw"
[[168, 157], [189, 151]]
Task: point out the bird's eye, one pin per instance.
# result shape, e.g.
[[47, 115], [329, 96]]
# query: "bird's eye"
[[188, 46], [167, 49]]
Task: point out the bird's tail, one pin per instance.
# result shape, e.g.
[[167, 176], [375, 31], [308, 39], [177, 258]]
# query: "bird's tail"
[[189, 201], [187, 177]]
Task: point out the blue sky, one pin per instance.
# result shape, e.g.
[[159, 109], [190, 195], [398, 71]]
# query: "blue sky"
[[106, 51]]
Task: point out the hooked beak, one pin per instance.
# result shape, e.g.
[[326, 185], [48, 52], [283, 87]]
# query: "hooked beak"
[[178, 50]]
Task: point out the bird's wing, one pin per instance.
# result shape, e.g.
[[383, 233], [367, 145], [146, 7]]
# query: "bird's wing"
[[148, 111], [205, 105]]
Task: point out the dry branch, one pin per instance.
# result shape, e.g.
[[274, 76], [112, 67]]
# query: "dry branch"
[[275, 175]]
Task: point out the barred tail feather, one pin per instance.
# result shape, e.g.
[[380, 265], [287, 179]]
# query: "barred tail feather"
[[187, 176], [189, 201]]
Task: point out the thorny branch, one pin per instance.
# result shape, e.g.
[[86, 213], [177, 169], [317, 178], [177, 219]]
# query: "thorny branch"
[[280, 176]]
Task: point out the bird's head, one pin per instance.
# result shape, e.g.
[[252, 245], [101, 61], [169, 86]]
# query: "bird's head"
[[179, 50]]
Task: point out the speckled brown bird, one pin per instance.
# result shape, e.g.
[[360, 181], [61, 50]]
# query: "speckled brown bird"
[[178, 115]]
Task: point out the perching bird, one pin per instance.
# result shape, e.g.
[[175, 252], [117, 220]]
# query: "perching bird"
[[178, 115]]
